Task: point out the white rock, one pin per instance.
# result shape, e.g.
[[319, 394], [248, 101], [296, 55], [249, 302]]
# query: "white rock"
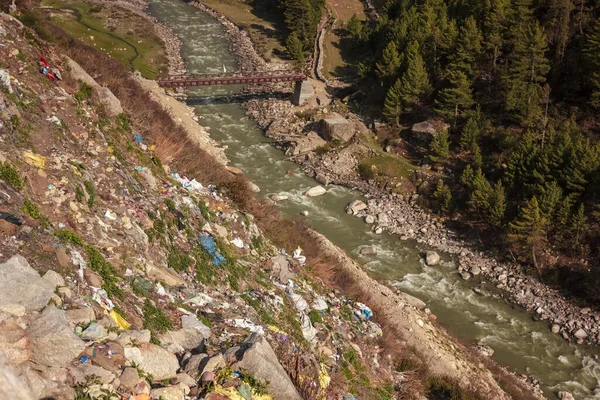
[[432, 258], [580, 334], [34, 291], [316, 191]]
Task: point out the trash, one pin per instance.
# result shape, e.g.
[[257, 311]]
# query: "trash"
[[237, 242], [245, 391], [200, 300], [84, 359], [299, 257], [139, 168], [308, 330], [324, 378], [54, 119], [244, 323], [137, 137], [13, 219], [93, 332], [192, 185], [35, 159], [319, 304], [152, 148], [101, 297], [298, 301], [110, 215], [5, 80], [61, 225], [119, 320], [208, 243], [364, 311], [160, 290]]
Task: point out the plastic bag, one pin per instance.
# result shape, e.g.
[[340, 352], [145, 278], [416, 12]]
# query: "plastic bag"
[[35, 160], [120, 321]]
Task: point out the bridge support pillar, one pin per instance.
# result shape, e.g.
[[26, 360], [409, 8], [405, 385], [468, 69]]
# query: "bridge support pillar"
[[302, 92]]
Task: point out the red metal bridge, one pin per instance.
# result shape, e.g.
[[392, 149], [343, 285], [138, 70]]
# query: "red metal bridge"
[[231, 78]]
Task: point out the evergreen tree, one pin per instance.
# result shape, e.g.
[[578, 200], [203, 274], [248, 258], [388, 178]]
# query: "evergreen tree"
[[439, 147], [355, 28], [295, 48], [477, 160], [481, 190], [454, 100], [390, 61], [578, 225], [443, 195], [468, 48], [592, 58], [557, 25], [550, 199], [415, 79], [467, 177], [528, 231], [497, 205], [495, 29], [392, 108], [525, 77], [470, 135]]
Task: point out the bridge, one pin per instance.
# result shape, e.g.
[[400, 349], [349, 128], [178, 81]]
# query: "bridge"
[[231, 78]]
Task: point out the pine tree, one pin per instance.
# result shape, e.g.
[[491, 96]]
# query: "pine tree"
[[480, 193], [295, 48], [467, 177], [454, 100], [495, 29], [439, 147], [497, 205], [390, 61], [415, 80], [477, 159], [468, 48], [355, 28], [557, 26], [470, 135], [578, 225], [592, 58], [443, 195], [550, 199], [392, 108], [525, 77], [528, 231]]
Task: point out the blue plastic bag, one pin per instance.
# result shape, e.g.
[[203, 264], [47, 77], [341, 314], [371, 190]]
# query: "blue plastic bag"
[[208, 243]]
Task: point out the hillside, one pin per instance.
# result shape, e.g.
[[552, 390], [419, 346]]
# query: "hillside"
[[134, 265]]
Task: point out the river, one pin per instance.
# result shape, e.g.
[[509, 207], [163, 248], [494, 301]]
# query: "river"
[[522, 344]]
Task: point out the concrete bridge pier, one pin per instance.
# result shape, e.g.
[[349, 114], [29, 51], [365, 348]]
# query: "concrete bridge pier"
[[302, 92]]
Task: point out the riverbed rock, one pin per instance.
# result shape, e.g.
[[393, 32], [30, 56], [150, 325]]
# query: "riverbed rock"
[[425, 131], [336, 127], [34, 291], [475, 270], [256, 356], [565, 396], [432, 258], [308, 143], [555, 328], [234, 170], [53, 343], [465, 275], [484, 350], [154, 360], [369, 219], [355, 207], [413, 301], [368, 250], [580, 334], [316, 191], [585, 310], [167, 393], [279, 197]]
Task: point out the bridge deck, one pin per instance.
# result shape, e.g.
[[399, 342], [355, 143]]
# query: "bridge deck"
[[231, 78]]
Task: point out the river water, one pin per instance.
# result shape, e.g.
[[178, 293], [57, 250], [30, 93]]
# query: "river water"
[[519, 342]]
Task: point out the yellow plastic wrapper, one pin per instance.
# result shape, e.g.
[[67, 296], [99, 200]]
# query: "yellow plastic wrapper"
[[152, 148], [35, 160], [275, 329], [110, 149], [324, 378], [233, 394], [119, 320], [76, 170]]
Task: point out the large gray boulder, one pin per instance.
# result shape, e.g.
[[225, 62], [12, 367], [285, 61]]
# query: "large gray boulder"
[[181, 340], [14, 343], [11, 385], [256, 356], [52, 341], [153, 360], [308, 143], [413, 301], [427, 130], [281, 269], [355, 207], [316, 191], [336, 128], [432, 258], [34, 292]]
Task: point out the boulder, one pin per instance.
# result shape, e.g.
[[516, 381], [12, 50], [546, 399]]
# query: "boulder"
[[11, 385], [484, 350], [555, 328], [94, 331], [166, 275], [181, 340], [279, 197], [78, 316], [14, 343], [153, 360], [55, 278], [34, 291], [234, 170], [413, 301], [256, 356], [167, 393], [368, 250], [369, 219], [212, 364], [53, 343], [580, 334], [336, 128], [565, 396], [425, 131], [128, 338], [316, 191], [475, 270], [355, 207], [432, 258], [109, 355], [308, 143], [129, 378], [191, 321], [192, 367], [82, 372], [281, 269], [465, 275]]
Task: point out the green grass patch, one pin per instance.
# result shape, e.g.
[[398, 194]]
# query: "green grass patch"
[[315, 317], [385, 165], [31, 209], [98, 263], [265, 316], [444, 388], [68, 236], [155, 319], [178, 260], [91, 191], [10, 175]]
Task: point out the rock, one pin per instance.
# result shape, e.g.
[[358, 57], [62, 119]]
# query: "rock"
[[304, 213], [77, 316], [383, 219], [234, 170], [369, 219], [34, 291], [129, 378], [93, 332], [316, 191], [181, 340], [413, 301], [129, 338], [355, 207], [191, 321], [555, 328], [167, 393], [14, 343], [565, 396], [154, 360], [185, 379], [192, 367], [109, 355], [54, 278], [465, 275], [425, 131], [475, 270], [580, 334], [254, 187], [82, 372], [11, 384], [336, 128], [432, 258], [53, 343], [308, 143], [13, 309], [212, 364], [484, 350], [281, 269], [279, 197], [149, 178], [63, 258], [92, 278], [256, 356], [368, 250], [166, 275], [221, 231], [585, 310], [322, 178]]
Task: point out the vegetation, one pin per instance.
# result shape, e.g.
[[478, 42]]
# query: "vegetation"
[[301, 18], [155, 319], [10, 175], [518, 83]]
